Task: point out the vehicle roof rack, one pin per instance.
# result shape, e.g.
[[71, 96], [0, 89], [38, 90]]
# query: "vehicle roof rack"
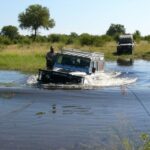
[[76, 52]]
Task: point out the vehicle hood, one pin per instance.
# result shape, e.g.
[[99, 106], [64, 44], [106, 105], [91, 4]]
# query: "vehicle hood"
[[76, 73]]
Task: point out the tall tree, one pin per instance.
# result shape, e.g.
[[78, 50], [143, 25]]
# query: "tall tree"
[[115, 29], [35, 17], [10, 31], [137, 36]]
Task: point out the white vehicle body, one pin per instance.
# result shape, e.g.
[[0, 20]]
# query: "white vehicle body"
[[74, 67]]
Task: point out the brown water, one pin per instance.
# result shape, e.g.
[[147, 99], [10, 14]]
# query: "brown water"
[[39, 119]]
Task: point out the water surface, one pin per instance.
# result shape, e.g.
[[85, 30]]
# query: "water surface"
[[102, 118]]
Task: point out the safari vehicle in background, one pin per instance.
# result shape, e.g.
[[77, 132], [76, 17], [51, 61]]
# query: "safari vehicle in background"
[[125, 44], [72, 67]]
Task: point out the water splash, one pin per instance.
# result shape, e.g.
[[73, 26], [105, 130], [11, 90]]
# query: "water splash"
[[32, 80], [103, 79]]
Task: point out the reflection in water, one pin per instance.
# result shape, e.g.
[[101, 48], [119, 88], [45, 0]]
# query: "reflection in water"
[[74, 109], [71, 109], [123, 89], [54, 108], [125, 61], [40, 113], [8, 95]]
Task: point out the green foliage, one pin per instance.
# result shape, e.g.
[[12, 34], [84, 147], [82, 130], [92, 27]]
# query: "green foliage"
[[146, 140], [115, 30], [30, 57], [93, 40], [53, 38], [5, 40], [27, 62], [137, 36], [35, 17], [42, 39], [98, 41], [127, 145], [107, 38], [86, 39], [24, 40], [73, 38], [10, 31], [64, 39], [73, 35], [147, 38]]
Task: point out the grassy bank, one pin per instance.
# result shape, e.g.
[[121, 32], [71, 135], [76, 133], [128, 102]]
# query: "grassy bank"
[[29, 58]]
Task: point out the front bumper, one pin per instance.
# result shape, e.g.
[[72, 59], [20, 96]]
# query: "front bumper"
[[56, 77]]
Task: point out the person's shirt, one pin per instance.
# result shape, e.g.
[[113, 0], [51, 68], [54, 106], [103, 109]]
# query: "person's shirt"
[[50, 56]]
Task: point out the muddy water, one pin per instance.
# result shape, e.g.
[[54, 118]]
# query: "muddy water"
[[102, 118]]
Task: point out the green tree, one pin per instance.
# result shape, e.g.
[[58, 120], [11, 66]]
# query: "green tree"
[[98, 41], [5, 40], [10, 31], [54, 38], [137, 36], [73, 35], [86, 39], [35, 17], [147, 38], [72, 38], [115, 30]]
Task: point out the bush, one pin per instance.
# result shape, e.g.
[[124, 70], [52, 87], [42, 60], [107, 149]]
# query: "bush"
[[10, 31], [24, 40], [147, 38], [107, 38], [64, 39], [98, 41], [86, 39], [53, 38], [42, 39], [5, 40]]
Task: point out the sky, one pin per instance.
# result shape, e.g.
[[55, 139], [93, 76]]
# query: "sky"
[[83, 16]]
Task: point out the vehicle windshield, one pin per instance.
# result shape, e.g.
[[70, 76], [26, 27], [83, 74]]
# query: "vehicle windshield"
[[73, 61], [125, 40]]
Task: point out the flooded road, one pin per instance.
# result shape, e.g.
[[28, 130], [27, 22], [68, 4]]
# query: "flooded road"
[[58, 119]]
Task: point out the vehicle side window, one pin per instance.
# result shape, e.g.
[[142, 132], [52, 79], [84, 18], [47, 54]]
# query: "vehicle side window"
[[59, 59], [84, 63], [67, 60]]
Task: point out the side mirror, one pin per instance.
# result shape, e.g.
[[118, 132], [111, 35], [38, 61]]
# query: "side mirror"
[[93, 70]]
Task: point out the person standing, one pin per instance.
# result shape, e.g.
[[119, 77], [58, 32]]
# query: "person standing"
[[50, 58]]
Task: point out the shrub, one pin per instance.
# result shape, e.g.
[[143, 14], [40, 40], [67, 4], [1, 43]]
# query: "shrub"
[[147, 38], [5, 40], [98, 41], [25, 40], [86, 39], [41, 39], [53, 38]]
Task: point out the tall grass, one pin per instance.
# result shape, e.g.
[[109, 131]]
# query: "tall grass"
[[30, 58], [24, 58]]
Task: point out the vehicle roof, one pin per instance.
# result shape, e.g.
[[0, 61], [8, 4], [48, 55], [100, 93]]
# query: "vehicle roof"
[[126, 36], [84, 54]]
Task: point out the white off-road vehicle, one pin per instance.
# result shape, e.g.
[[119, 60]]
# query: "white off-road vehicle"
[[72, 67]]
